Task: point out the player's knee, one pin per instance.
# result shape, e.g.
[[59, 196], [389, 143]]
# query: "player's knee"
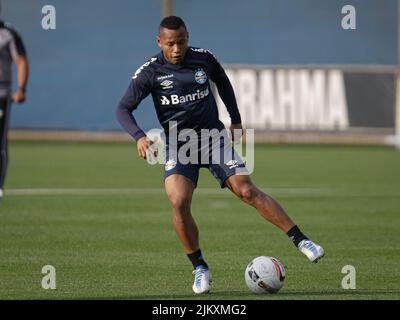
[[179, 203], [181, 217], [247, 192]]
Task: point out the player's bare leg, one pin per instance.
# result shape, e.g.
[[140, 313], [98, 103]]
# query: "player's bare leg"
[[244, 188], [180, 191]]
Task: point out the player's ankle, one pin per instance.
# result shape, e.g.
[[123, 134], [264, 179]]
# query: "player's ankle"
[[196, 258], [296, 235]]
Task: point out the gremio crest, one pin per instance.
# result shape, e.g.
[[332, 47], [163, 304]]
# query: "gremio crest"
[[200, 76]]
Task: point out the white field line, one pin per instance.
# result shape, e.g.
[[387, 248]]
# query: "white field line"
[[281, 191], [145, 191]]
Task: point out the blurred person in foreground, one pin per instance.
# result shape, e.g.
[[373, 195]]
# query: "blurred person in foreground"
[[11, 50]]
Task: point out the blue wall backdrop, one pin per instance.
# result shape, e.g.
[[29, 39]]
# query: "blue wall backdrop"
[[80, 70]]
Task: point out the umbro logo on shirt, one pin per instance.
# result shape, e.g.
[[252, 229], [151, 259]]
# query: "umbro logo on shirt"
[[167, 84], [232, 164]]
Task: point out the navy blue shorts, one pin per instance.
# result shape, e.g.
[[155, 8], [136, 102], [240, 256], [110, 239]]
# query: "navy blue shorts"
[[221, 159]]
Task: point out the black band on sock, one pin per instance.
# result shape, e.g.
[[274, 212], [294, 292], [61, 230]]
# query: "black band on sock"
[[296, 235], [197, 259]]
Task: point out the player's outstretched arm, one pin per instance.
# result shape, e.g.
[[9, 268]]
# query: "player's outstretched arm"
[[225, 90], [136, 92], [127, 105], [127, 120]]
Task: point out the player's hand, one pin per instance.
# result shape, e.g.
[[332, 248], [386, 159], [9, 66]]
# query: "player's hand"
[[18, 96], [239, 132], [143, 146]]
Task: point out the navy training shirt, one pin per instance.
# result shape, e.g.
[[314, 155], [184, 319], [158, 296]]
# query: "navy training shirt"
[[180, 93]]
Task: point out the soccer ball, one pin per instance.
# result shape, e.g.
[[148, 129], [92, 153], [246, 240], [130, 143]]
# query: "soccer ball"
[[264, 275]]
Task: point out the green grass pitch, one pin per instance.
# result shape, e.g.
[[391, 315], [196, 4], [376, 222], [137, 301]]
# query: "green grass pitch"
[[98, 214]]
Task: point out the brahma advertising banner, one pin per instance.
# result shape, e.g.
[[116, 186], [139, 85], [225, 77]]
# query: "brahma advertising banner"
[[307, 99]]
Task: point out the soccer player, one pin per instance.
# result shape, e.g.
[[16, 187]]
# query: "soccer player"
[[11, 49], [178, 80]]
